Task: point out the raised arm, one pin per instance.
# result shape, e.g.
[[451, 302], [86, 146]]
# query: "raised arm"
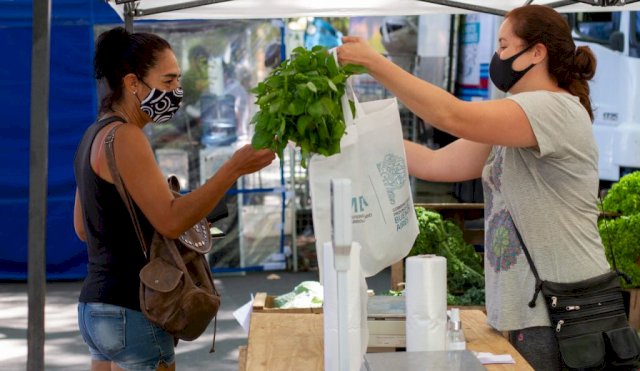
[[148, 186], [500, 122]]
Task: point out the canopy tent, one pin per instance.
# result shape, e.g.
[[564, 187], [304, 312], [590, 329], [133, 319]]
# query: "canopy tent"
[[240, 9], [15, 19], [73, 93]]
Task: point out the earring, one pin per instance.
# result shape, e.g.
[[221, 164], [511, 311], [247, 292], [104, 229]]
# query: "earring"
[[134, 92]]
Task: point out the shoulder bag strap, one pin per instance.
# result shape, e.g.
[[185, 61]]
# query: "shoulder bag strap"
[[117, 181], [532, 303]]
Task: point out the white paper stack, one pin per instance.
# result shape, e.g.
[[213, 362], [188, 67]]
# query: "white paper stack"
[[426, 299], [356, 301]]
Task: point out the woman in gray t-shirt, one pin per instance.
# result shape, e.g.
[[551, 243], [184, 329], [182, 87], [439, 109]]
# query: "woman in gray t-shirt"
[[537, 158]]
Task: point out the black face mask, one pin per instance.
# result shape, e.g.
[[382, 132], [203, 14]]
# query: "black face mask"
[[501, 71]]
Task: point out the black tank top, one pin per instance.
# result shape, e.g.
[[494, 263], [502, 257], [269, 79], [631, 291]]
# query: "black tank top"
[[115, 255]]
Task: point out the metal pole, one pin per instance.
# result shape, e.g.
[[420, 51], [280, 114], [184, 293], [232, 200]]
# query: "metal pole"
[[129, 10], [294, 206], [38, 152], [467, 6], [180, 6], [559, 4]]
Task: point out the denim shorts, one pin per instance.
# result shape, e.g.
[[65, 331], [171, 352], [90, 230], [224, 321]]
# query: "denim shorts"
[[124, 336]]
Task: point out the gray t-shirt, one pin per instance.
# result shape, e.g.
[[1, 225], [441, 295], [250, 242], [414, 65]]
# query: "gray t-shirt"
[[550, 192]]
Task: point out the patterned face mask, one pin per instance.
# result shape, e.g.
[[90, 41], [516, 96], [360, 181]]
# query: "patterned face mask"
[[161, 105]]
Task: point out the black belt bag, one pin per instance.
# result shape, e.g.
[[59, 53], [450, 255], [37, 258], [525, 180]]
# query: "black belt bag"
[[590, 322]]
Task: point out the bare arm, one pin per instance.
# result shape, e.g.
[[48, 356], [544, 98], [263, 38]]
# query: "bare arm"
[[459, 161], [500, 122], [78, 223], [148, 186]]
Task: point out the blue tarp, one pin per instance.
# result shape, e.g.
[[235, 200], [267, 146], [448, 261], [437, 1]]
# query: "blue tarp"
[[72, 107]]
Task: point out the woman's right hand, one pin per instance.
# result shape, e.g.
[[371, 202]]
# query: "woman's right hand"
[[355, 50], [247, 160]]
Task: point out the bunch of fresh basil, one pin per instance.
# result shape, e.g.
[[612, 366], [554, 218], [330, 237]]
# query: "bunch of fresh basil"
[[299, 101]]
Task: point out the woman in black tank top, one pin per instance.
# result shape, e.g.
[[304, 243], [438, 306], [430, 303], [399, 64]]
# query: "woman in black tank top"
[[143, 77]]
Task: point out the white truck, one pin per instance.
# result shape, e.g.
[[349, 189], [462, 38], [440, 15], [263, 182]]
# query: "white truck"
[[614, 37]]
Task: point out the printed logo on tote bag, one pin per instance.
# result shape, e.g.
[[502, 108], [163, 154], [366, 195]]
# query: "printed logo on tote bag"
[[394, 176]]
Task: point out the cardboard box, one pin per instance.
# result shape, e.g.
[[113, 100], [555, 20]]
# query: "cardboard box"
[[264, 303], [386, 318], [387, 333], [386, 322], [284, 339]]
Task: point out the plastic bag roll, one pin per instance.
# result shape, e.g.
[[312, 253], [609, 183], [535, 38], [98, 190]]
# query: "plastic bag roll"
[[356, 303], [426, 301]]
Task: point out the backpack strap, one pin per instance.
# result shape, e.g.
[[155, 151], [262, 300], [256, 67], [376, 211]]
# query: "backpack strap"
[[117, 181], [102, 123]]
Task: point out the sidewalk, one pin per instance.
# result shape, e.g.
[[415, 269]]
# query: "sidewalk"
[[65, 350]]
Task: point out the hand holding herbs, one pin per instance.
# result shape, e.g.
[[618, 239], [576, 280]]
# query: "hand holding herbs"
[[300, 102]]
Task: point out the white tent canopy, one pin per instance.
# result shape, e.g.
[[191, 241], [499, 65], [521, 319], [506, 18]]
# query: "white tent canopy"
[[243, 9]]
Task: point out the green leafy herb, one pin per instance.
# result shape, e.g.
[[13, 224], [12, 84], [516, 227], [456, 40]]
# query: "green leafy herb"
[[300, 102]]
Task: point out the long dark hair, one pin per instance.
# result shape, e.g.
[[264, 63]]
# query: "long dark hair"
[[118, 53], [572, 67]]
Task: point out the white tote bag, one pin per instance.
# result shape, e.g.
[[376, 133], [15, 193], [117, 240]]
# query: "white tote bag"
[[373, 158]]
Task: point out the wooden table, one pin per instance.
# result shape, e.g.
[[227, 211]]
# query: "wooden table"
[[481, 337], [289, 341]]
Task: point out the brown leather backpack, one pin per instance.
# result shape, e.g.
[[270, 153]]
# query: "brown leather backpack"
[[177, 292]]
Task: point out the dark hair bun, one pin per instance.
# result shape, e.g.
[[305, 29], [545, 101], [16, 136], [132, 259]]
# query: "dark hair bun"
[[110, 48], [119, 53], [585, 63]]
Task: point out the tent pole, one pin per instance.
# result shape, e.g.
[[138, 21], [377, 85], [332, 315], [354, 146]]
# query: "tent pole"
[[466, 6], [180, 6], [128, 16], [38, 171], [559, 4]]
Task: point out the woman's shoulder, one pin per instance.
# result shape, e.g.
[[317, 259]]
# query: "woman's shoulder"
[[125, 129], [552, 102], [546, 95]]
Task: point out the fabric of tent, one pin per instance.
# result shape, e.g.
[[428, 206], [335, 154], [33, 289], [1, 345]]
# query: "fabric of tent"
[[72, 108], [240, 9]]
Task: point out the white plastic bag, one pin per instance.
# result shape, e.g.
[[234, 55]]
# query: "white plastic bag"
[[372, 156]]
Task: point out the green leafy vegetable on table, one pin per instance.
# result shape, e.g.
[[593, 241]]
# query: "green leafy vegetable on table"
[[620, 234], [299, 101], [465, 275]]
